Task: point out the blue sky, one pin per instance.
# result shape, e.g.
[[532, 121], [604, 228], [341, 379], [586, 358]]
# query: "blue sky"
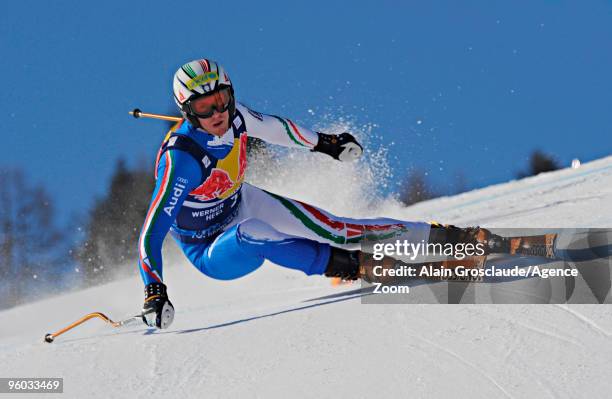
[[471, 86]]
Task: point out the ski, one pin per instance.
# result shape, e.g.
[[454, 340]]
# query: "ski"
[[542, 245]]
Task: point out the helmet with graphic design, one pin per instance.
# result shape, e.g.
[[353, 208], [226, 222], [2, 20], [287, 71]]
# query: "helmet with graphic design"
[[203, 78]]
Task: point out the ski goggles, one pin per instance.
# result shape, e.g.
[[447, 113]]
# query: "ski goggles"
[[205, 106]]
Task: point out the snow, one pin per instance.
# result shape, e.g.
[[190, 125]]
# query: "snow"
[[271, 334]]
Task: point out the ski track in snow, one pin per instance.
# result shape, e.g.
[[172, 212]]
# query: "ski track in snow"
[[277, 333], [590, 323]]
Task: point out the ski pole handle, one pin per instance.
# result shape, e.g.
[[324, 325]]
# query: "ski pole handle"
[[136, 113]]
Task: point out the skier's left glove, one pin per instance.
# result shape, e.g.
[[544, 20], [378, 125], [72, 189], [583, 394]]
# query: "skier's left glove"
[[157, 310], [342, 147]]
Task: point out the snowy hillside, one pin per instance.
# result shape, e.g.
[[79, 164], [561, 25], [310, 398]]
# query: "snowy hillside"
[[271, 334]]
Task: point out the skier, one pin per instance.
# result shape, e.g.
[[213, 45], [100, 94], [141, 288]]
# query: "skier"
[[227, 227]]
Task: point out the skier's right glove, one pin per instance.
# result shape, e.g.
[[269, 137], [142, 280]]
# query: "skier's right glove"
[[157, 310], [343, 147]]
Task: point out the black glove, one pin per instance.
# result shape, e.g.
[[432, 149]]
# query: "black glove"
[[342, 147], [157, 310]]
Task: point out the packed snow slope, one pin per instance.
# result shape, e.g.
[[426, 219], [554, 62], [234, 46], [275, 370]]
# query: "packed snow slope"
[[271, 334]]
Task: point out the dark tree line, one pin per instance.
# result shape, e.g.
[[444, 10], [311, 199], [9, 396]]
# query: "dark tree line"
[[539, 162], [416, 187], [30, 255], [110, 248], [35, 256]]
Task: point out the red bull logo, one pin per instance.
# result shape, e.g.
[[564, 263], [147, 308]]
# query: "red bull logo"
[[227, 176], [217, 183]]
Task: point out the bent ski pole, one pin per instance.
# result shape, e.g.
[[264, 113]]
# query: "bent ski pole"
[[136, 113], [50, 337]]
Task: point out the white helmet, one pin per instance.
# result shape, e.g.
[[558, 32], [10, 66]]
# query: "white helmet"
[[200, 78]]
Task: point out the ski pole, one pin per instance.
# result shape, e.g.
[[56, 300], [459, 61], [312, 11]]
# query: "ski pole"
[[136, 113], [50, 337]]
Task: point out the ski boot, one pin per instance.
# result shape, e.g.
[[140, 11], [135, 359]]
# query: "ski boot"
[[352, 265], [536, 245]]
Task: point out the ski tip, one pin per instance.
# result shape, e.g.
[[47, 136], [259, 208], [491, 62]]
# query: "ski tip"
[[49, 338]]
